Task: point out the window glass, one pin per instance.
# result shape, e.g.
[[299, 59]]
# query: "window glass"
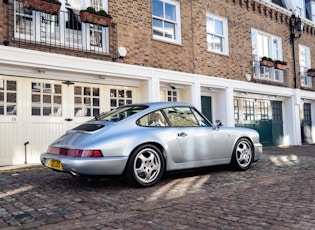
[[181, 116], [170, 12], [86, 101], [64, 29], [46, 99], [120, 113], [8, 97], [120, 97], [248, 108], [166, 20], [269, 46], [217, 37], [154, 119], [305, 64], [157, 8], [201, 120]]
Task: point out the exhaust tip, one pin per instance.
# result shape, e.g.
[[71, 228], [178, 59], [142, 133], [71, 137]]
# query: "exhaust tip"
[[74, 174]]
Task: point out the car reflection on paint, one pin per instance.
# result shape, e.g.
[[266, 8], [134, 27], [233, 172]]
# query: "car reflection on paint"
[[142, 141]]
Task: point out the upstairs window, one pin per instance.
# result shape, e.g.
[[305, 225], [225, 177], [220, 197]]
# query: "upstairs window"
[[217, 34], [270, 46], [305, 64], [63, 30], [299, 7], [166, 20]]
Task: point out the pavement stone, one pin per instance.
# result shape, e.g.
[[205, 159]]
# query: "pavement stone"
[[278, 192]]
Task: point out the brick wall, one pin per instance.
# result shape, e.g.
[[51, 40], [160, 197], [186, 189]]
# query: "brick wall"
[[2, 21], [134, 31]]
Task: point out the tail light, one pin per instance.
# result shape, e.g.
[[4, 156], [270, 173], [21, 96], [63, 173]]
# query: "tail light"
[[75, 152]]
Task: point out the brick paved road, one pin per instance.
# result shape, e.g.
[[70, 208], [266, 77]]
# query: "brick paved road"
[[276, 193]]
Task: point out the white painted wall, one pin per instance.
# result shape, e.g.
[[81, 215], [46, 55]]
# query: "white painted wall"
[[23, 65]]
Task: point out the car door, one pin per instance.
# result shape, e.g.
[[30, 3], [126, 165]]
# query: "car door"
[[198, 140]]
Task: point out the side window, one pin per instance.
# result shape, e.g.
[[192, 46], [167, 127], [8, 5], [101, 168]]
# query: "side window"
[[46, 99], [8, 94], [86, 101], [202, 121], [120, 97], [154, 119], [166, 20], [217, 34], [181, 117]]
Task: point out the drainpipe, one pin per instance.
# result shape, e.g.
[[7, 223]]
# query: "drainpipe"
[[25, 152]]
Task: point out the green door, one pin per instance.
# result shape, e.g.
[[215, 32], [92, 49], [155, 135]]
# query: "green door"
[[277, 123], [306, 126], [206, 107]]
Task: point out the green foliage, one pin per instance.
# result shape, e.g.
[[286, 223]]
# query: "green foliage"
[[53, 1], [92, 10], [267, 59], [280, 62]]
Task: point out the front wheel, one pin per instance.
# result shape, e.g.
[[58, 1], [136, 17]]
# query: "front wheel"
[[145, 166], [242, 155]]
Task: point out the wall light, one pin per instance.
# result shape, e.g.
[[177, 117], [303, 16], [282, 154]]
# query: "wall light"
[[248, 77], [172, 86], [122, 52]]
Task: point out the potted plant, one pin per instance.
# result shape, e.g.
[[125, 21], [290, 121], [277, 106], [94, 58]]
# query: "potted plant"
[[311, 72], [268, 62], [90, 15], [282, 65], [45, 6]]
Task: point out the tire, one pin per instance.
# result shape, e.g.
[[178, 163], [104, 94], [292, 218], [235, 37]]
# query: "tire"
[[243, 154], [145, 167]]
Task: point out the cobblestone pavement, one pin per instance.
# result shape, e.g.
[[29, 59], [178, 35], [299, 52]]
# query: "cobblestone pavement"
[[277, 192]]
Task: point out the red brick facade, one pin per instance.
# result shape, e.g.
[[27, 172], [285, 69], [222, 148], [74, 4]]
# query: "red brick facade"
[[134, 32]]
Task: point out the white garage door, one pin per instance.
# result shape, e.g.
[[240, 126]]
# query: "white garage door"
[[34, 112]]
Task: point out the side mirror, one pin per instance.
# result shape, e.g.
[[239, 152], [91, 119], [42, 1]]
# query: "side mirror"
[[218, 124]]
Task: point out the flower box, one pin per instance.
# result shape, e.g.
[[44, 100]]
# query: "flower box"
[[95, 19], [42, 6], [267, 63], [311, 73], [280, 66]]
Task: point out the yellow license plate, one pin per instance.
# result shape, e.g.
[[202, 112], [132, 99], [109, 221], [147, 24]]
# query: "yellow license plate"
[[54, 164]]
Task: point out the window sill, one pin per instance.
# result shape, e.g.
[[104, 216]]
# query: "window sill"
[[267, 82], [219, 53], [179, 43]]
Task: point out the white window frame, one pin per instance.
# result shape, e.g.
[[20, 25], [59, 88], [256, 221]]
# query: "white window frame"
[[299, 7], [273, 49], [305, 64], [177, 24], [225, 37], [61, 32]]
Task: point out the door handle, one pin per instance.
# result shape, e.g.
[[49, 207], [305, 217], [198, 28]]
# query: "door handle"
[[68, 119], [182, 134]]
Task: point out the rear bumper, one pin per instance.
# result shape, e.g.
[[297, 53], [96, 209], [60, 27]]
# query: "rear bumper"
[[88, 166], [258, 148]]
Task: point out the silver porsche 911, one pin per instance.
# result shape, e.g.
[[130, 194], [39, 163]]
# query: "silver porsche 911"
[[142, 141]]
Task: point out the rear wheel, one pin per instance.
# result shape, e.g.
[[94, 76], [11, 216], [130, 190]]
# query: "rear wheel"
[[242, 155], [145, 166]]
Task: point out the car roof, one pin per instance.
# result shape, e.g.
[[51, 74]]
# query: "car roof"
[[157, 105]]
